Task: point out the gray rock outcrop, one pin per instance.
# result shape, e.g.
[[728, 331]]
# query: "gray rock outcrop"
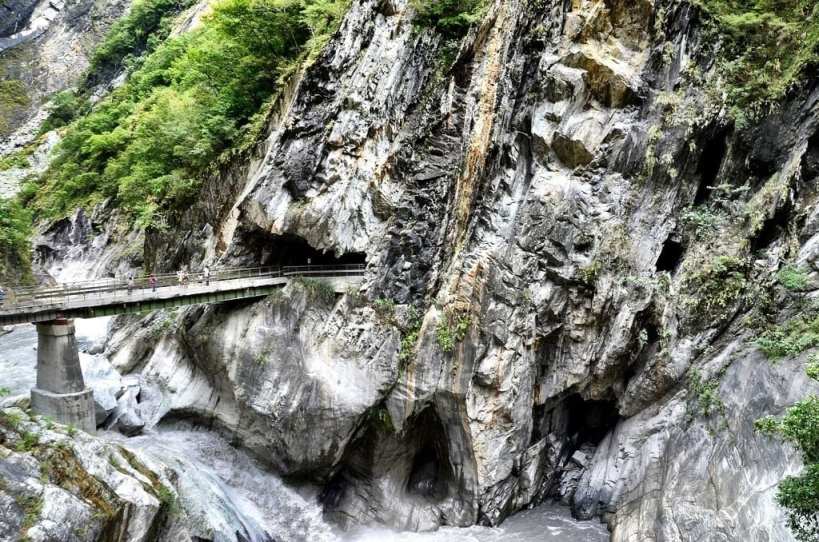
[[538, 306]]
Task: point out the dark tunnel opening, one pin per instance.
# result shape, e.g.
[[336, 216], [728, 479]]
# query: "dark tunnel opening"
[[670, 256], [772, 229], [589, 421], [430, 476], [810, 161], [270, 250]]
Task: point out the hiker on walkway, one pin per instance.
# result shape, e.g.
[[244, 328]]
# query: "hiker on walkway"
[[206, 275], [152, 282], [130, 282], [180, 275]]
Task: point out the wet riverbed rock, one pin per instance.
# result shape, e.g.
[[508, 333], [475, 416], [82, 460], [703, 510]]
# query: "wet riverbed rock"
[[59, 483]]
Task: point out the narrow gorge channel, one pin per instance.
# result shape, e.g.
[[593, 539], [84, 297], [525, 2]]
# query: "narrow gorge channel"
[[243, 500]]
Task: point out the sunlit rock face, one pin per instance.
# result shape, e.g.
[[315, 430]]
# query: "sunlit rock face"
[[536, 302], [46, 46]]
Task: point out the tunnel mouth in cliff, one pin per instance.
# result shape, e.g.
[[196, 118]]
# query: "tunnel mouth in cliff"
[[670, 256], [430, 475], [274, 250], [590, 420]]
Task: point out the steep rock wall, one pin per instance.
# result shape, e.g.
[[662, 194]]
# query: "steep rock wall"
[[45, 49], [525, 191]]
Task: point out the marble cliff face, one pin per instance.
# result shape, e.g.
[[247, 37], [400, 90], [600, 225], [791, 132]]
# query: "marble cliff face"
[[536, 302]]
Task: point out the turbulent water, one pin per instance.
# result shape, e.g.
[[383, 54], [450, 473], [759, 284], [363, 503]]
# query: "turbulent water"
[[229, 492], [18, 353]]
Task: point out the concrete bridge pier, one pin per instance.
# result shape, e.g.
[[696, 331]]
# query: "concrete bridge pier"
[[61, 393]]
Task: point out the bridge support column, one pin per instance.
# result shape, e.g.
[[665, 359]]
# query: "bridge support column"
[[61, 393]]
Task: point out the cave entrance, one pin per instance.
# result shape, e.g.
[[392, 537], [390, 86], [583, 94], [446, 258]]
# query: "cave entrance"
[[670, 256], [430, 475], [772, 229], [287, 250], [589, 421], [713, 155]]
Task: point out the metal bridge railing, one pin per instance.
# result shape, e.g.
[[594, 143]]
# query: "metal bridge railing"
[[61, 296]]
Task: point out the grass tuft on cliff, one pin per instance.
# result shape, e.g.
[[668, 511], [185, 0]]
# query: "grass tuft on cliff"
[[771, 45], [191, 99]]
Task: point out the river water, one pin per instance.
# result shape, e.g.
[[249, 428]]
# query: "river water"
[[225, 489]]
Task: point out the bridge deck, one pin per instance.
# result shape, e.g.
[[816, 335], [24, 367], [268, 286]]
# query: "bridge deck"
[[108, 297]]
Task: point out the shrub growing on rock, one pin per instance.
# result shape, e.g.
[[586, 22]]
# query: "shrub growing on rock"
[[149, 144], [451, 17]]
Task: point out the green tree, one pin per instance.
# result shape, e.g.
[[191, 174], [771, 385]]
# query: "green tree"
[[799, 495]]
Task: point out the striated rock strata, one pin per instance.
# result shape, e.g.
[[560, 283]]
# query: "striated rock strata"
[[537, 305]]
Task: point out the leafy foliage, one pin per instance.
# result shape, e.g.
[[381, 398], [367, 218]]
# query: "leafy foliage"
[[409, 338], [451, 330], [384, 309], [13, 97], [800, 494], [32, 507], [706, 393], [450, 17], [15, 229], [143, 28], [718, 286], [167, 500], [702, 222], [64, 107], [17, 159], [790, 339], [150, 142], [771, 44], [318, 290], [28, 441], [793, 278], [813, 367], [589, 274]]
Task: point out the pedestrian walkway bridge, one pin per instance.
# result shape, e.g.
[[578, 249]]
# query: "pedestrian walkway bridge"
[[107, 297]]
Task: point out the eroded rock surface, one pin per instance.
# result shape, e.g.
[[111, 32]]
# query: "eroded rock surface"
[[537, 302]]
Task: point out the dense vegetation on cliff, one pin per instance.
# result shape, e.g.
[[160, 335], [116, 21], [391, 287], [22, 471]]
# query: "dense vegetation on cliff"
[[451, 17], [800, 494], [192, 98], [768, 46], [15, 229]]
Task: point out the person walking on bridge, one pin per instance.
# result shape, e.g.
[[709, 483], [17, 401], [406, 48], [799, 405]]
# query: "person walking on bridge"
[[152, 282], [130, 282], [206, 275]]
